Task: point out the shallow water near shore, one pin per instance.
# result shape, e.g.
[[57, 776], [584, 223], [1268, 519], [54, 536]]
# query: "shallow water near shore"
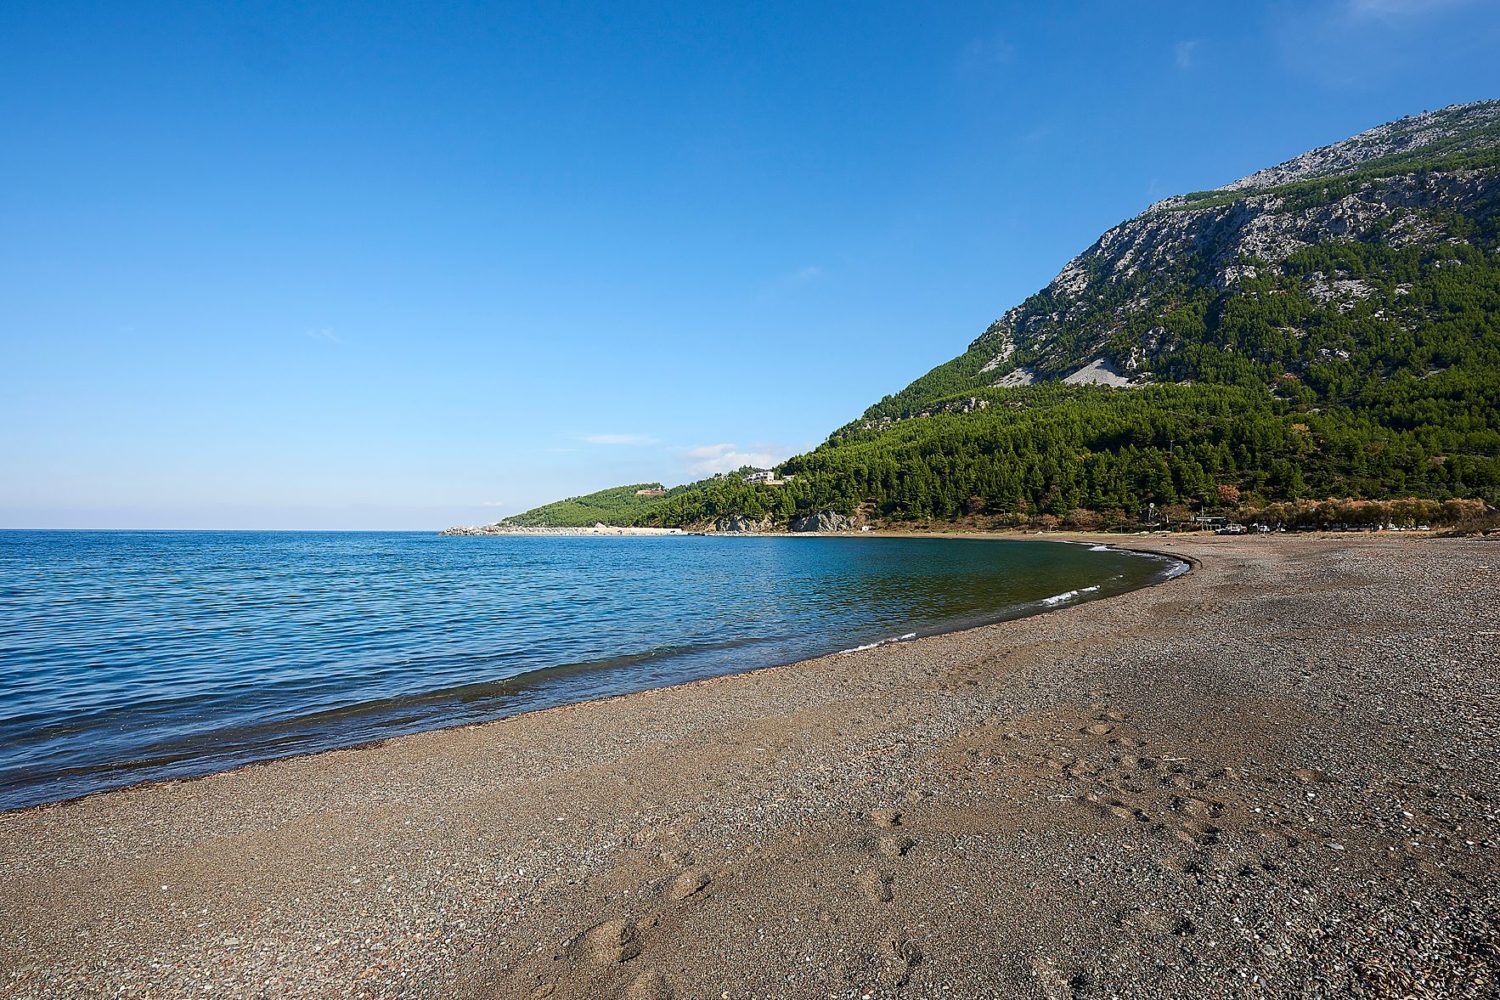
[[132, 656]]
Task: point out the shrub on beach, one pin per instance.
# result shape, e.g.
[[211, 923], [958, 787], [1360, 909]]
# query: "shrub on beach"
[[1405, 513]]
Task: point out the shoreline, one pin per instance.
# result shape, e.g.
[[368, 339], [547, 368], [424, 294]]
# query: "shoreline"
[[1146, 794], [1014, 534], [598, 530], [1030, 610]]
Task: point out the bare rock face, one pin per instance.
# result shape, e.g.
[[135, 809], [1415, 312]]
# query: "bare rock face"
[[1266, 228], [1420, 181], [824, 520], [1099, 372], [740, 524], [1391, 139]]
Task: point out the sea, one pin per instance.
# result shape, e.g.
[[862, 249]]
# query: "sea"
[[130, 656]]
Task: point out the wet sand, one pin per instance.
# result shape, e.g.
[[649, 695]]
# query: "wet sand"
[[1278, 775]]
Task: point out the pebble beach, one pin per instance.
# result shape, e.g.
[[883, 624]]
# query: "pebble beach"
[[1274, 776]]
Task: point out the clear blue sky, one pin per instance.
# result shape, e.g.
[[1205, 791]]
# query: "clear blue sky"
[[344, 265]]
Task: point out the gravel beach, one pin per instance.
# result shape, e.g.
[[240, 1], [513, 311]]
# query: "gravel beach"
[[1276, 776]]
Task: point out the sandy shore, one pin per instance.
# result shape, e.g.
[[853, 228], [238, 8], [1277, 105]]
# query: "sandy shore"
[[1276, 776]]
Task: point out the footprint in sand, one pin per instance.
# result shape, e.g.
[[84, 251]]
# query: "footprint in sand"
[[1116, 808], [687, 885], [877, 886], [891, 845], [649, 986], [902, 956], [1080, 769], [1059, 762], [1198, 808], [1199, 833], [1153, 920], [609, 943], [896, 847]]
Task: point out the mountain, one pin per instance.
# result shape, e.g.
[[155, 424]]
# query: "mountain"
[[1147, 301], [618, 505], [1327, 327]]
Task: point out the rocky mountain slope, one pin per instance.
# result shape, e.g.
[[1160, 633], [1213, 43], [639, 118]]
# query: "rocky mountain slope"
[[1327, 327], [1114, 314]]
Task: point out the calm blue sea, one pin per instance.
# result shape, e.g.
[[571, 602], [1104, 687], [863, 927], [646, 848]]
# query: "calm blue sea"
[[127, 656]]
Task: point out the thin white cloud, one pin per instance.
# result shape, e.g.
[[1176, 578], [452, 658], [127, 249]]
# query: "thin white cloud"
[[1036, 136], [1184, 53], [492, 503], [325, 334], [1398, 8], [983, 55], [707, 459], [786, 282], [1344, 44], [618, 439]]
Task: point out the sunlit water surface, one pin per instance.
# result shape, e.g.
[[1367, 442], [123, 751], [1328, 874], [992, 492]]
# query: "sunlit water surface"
[[127, 656]]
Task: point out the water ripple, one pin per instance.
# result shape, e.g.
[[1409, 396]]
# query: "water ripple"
[[127, 656]]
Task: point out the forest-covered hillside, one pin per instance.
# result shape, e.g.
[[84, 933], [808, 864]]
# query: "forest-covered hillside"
[[1329, 327], [617, 505]]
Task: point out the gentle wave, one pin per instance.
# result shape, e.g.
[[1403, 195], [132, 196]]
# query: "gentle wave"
[[908, 637], [1057, 599]]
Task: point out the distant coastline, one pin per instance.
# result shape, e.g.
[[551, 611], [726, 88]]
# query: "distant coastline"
[[598, 529]]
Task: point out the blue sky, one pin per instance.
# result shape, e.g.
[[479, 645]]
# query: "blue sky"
[[402, 266]]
